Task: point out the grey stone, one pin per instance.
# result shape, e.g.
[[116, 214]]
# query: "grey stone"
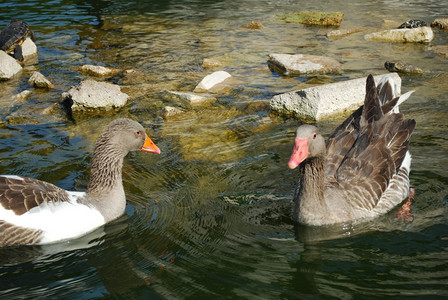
[[320, 102], [99, 70], [185, 99], [299, 64], [22, 95], [405, 35], [8, 66], [403, 68], [91, 94], [441, 23], [169, 111], [40, 81]]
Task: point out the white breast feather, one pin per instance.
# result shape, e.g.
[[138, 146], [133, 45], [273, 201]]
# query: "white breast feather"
[[58, 221]]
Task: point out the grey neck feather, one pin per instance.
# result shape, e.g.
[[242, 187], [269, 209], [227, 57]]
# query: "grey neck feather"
[[309, 194], [105, 189]]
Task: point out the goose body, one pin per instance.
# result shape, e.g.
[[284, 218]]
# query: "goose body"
[[362, 170], [37, 212]]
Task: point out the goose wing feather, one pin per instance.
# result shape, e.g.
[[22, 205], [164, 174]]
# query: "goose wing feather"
[[368, 148], [21, 194]]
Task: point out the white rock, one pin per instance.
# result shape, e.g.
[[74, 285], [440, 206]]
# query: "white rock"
[[8, 66], [99, 70], [211, 80], [29, 49], [297, 64], [320, 102], [91, 94], [40, 81], [404, 35]]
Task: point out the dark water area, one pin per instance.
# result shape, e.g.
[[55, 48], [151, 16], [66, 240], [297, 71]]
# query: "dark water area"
[[211, 215]]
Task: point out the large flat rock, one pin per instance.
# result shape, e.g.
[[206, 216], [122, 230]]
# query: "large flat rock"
[[302, 64], [404, 35], [324, 101], [91, 94]]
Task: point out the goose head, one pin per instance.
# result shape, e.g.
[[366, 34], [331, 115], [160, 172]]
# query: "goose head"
[[308, 143], [126, 135]]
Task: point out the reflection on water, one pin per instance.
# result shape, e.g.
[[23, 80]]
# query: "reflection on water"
[[211, 215]]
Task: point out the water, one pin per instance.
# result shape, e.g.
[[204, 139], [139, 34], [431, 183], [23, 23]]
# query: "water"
[[211, 215]]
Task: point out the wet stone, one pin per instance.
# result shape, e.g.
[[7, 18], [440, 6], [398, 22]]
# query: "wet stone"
[[441, 23], [99, 71], [186, 99], [38, 80], [325, 101], [91, 94], [170, 111], [441, 50], [299, 64], [313, 18], [22, 96], [339, 33], [253, 25], [405, 35], [8, 66], [402, 68]]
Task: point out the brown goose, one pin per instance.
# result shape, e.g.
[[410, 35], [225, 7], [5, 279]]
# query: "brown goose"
[[362, 171], [37, 212]]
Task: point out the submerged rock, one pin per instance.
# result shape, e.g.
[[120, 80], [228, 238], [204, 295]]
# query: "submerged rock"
[[405, 35], [211, 81], [187, 99], [441, 23], [253, 25], [334, 34], [8, 66], [99, 71], [298, 64], [22, 96], [320, 102], [91, 94], [313, 18], [402, 68], [40, 81], [170, 111], [441, 50], [211, 63]]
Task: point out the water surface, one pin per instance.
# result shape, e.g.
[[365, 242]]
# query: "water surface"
[[211, 215]]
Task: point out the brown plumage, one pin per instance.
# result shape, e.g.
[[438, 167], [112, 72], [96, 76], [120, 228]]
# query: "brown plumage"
[[362, 170]]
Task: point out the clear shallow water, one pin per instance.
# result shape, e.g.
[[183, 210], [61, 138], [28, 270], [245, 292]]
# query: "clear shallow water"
[[210, 216]]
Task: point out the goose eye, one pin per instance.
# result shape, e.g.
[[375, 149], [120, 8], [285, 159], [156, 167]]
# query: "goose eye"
[[314, 136], [138, 133]]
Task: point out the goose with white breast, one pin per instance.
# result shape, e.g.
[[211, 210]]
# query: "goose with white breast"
[[36, 212]]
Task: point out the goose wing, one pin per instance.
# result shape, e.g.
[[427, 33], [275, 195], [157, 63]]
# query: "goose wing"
[[21, 194], [367, 150]]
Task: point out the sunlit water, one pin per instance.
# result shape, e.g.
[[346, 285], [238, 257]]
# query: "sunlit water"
[[211, 215]]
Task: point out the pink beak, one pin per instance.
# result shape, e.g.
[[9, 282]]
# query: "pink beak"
[[299, 152]]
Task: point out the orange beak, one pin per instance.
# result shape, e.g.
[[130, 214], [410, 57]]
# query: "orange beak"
[[299, 152], [149, 146]]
